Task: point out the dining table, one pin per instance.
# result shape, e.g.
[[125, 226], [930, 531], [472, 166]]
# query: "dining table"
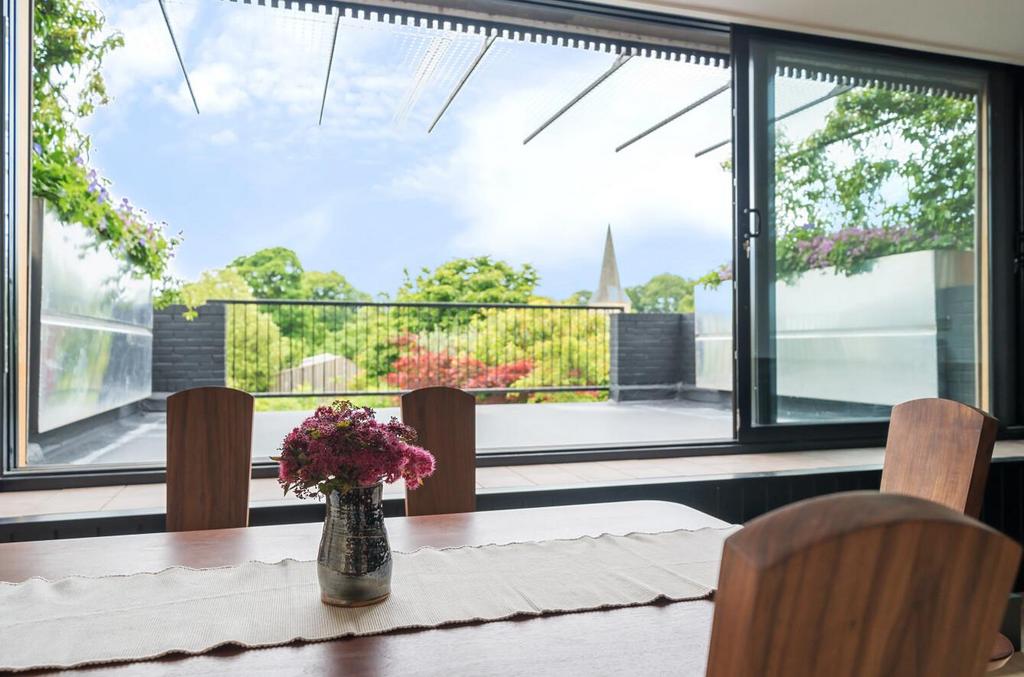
[[653, 639]]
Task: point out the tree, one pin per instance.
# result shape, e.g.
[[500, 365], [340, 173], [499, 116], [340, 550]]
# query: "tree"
[[330, 286], [580, 298], [665, 293], [843, 174], [888, 172], [225, 284], [472, 280], [272, 273], [255, 348], [565, 346]]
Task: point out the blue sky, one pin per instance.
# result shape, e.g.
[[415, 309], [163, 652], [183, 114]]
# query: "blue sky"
[[369, 192]]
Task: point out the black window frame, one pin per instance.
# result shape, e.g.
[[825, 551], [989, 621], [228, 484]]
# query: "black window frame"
[[1006, 232]]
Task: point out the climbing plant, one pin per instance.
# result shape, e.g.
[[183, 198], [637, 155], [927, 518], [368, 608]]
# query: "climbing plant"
[[69, 42], [887, 173]]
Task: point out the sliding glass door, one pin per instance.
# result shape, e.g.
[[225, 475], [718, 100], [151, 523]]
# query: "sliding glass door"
[[861, 215]]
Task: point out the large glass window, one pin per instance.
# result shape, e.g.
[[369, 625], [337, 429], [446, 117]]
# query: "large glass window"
[[367, 206], [866, 234], [310, 205]]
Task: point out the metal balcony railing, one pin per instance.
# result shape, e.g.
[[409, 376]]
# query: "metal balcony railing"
[[285, 348]]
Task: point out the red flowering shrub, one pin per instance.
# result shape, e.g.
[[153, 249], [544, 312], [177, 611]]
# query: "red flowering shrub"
[[421, 368], [342, 447]]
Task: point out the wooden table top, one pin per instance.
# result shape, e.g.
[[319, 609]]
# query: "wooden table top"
[[647, 640]]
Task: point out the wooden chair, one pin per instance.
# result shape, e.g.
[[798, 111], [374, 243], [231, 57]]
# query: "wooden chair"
[[445, 420], [860, 584], [209, 458], [939, 450]]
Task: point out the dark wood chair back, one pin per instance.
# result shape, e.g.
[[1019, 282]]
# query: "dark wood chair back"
[[445, 421], [860, 584], [209, 458], [939, 450]]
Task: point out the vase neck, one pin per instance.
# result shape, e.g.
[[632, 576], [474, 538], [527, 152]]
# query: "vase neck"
[[358, 496]]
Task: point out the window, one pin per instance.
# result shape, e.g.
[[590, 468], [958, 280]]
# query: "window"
[[539, 213], [378, 205], [867, 235]]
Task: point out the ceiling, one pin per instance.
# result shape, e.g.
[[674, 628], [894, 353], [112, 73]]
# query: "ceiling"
[[986, 29]]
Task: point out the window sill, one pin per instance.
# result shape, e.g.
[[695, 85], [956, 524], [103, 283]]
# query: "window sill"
[[265, 492]]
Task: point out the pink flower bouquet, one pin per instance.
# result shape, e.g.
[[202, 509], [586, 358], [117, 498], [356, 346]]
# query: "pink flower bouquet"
[[342, 447]]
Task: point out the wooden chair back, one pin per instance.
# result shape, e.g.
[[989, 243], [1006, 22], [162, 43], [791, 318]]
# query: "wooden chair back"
[[939, 450], [209, 458], [445, 422], [860, 585]]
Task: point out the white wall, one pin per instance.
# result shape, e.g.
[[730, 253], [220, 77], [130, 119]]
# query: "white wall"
[[985, 29]]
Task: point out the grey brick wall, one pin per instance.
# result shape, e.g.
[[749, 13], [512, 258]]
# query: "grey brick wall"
[[652, 355], [188, 353]]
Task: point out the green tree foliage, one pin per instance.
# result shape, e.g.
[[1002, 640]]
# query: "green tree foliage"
[[223, 284], [665, 293], [256, 349], [69, 43], [490, 347], [580, 298], [565, 347], [330, 286], [255, 346], [715, 278], [272, 273], [277, 273], [473, 280], [883, 159], [888, 172]]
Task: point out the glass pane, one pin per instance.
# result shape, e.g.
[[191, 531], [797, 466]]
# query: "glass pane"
[[429, 214], [865, 273]]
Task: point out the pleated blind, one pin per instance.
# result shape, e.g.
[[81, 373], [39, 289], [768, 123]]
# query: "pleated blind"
[[526, 22], [877, 73]]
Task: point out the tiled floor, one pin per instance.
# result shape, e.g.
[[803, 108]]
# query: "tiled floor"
[[141, 437], [151, 496]]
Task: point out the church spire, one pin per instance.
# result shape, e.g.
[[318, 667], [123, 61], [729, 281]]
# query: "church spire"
[[609, 289]]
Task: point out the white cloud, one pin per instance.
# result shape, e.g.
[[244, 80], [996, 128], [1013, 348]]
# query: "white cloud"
[[269, 66], [225, 137], [540, 201], [218, 89], [148, 54], [261, 71]]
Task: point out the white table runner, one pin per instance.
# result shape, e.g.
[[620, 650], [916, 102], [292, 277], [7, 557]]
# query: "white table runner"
[[80, 621]]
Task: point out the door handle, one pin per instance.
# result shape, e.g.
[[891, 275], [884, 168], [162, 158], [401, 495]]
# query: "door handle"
[[754, 223]]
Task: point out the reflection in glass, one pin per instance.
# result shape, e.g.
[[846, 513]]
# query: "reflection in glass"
[[867, 264]]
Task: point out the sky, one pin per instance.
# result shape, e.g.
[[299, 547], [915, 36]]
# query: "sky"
[[370, 192]]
